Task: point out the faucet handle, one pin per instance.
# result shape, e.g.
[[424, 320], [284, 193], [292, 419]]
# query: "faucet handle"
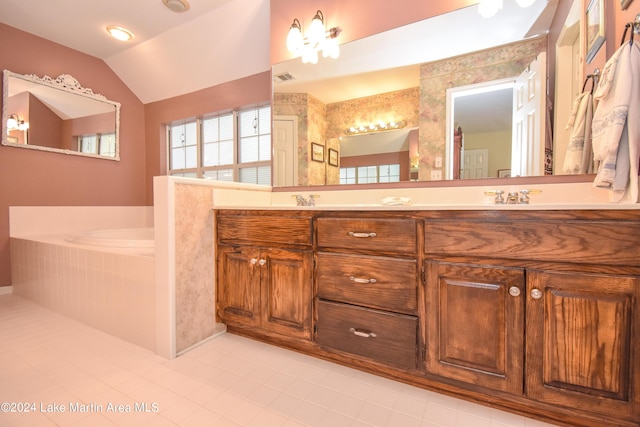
[[300, 201], [524, 195], [499, 200], [312, 198]]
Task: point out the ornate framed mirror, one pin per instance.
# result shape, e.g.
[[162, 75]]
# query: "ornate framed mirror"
[[58, 115]]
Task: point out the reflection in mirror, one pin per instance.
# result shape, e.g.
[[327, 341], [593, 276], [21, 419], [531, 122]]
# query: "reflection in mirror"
[[373, 78], [479, 130], [378, 157], [58, 115]]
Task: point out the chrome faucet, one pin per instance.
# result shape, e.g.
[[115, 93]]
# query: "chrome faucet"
[[513, 197], [301, 201]]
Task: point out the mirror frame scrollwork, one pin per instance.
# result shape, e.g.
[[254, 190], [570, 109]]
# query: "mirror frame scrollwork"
[[65, 83]]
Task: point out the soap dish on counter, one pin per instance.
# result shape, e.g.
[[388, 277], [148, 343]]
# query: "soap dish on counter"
[[396, 201]]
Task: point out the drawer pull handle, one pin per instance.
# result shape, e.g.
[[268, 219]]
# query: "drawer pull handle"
[[359, 280], [361, 235], [362, 334]]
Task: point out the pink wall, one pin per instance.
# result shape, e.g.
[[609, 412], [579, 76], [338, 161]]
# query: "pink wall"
[[45, 126], [30, 177], [357, 19], [246, 92]]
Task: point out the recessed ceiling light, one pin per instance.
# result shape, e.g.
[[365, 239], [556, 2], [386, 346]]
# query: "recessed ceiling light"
[[119, 33], [178, 6]]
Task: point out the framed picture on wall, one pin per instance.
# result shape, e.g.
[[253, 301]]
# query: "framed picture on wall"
[[317, 152], [625, 4], [333, 157], [595, 28], [504, 173]]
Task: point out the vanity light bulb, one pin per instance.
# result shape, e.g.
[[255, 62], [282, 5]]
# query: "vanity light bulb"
[[309, 56], [488, 8], [331, 49], [525, 3], [12, 123], [295, 41], [316, 32]]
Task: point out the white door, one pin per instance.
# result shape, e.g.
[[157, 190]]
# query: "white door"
[[529, 113], [285, 154], [475, 163], [568, 82]]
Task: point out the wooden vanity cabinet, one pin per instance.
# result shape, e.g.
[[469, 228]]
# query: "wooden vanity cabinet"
[[264, 281], [541, 305], [582, 347], [475, 324], [536, 312]]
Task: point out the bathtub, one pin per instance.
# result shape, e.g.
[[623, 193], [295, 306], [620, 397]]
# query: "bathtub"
[[137, 240], [103, 278]]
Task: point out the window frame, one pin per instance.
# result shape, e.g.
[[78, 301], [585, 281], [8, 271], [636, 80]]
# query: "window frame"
[[200, 170]]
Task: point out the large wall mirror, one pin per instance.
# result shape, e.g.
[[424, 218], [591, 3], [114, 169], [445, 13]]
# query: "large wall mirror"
[[454, 82], [58, 115]]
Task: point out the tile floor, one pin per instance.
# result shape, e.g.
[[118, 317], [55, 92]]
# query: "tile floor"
[[49, 363]]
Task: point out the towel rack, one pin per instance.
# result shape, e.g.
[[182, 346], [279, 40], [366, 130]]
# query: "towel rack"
[[594, 79], [636, 29]]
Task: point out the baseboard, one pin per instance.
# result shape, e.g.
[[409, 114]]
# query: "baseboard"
[[5, 290]]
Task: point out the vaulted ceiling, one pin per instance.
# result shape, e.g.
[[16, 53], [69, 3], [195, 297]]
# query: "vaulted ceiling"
[[171, 54]]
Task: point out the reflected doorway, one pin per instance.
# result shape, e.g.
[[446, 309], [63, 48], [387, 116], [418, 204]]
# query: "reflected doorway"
[[483, 113]]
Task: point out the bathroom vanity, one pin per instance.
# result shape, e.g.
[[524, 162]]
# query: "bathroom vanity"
[[530, 311]]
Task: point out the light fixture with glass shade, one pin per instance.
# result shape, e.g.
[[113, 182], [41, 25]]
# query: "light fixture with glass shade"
[[317, 39], [119, 33], [16, 123], [488, 8]]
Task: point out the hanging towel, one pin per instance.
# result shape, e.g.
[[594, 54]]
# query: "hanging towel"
[[579, 154], [618, 97]]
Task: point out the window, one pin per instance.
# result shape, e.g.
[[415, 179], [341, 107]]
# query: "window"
[[370, 174], [102, 144], [228, 147]]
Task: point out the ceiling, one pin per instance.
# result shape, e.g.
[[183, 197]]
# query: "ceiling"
[[171, 53]]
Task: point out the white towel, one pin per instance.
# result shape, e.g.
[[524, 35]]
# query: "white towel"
[[614, 96], [578, 159]]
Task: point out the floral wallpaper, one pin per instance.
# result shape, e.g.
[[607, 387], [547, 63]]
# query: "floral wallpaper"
[[436, 77], [385, 107]]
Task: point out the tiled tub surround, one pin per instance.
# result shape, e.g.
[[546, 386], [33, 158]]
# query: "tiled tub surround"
[[111, 289]]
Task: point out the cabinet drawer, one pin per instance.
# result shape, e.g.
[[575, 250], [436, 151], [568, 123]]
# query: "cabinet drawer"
[[384, 337], [269, 229], [568, 241], [385, 235], [377, 282]]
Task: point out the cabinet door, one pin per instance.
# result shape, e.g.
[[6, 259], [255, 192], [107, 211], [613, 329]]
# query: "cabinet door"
[[582, 342], [287, 291], [475, 324], [238, 285]]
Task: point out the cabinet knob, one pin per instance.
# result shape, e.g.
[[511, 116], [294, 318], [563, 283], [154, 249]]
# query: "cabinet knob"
[[536, 293], [362, 334], [253, 261], [262, 262], [514, 291]]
